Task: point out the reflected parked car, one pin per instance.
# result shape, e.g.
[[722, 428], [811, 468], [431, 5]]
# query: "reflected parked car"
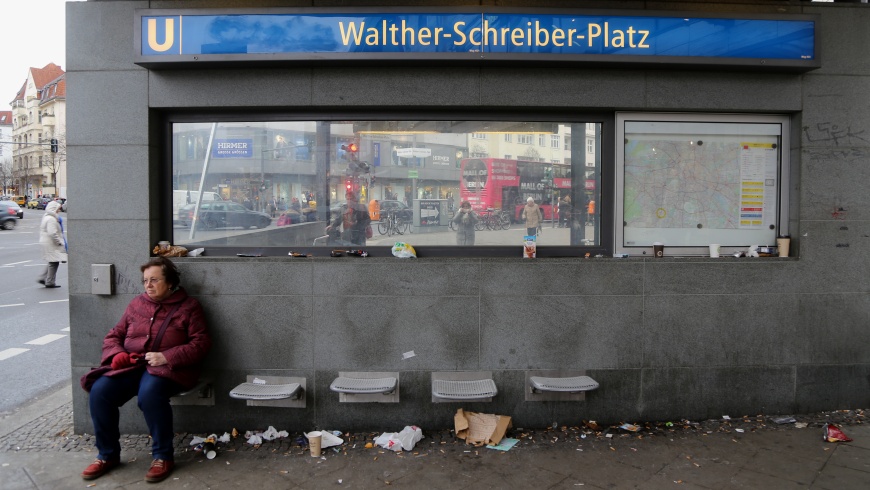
[[290, 217], [10, 213], [224, 214]]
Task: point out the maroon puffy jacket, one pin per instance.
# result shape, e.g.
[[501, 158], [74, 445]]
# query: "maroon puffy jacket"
[[185, 342]]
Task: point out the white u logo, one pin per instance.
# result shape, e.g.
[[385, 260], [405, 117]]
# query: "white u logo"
[[152, 35]]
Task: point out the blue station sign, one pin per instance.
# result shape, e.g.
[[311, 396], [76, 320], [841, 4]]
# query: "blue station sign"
[[203, 36]]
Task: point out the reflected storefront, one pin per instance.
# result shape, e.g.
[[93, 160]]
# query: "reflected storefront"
[[297, 173]]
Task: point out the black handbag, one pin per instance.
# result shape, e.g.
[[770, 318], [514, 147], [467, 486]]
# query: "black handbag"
[[96, 373]]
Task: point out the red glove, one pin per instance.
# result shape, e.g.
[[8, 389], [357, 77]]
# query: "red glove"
[[123, 359]]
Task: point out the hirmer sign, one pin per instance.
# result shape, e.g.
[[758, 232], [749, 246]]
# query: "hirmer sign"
[[171, 37]]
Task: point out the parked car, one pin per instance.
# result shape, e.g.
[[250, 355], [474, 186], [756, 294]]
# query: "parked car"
[[20, 200], [31, 204], [224, 214], [42, 201], [10, 213]]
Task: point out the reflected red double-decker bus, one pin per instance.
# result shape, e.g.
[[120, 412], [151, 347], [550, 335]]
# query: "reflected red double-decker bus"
[[498, 183]]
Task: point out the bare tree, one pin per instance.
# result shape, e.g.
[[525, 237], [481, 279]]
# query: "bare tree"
[[532, 154], [6, 178]]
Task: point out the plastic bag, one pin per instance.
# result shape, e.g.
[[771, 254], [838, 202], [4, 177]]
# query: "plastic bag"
[[834, 434], [404, 250], [406, 439]]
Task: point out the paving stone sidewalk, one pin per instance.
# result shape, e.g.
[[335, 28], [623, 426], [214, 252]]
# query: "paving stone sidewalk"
[[53, 431], [740, 452]]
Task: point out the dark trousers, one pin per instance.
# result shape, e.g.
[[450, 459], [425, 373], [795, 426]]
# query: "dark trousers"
[[107, 396]]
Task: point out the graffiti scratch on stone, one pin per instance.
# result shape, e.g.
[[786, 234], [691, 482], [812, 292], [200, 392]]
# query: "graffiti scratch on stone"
[[828, 132]]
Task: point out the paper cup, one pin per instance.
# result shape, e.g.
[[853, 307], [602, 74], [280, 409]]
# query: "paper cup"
[[715, 248], [314, 440], [163, 245], [782, 245], [209, 450]]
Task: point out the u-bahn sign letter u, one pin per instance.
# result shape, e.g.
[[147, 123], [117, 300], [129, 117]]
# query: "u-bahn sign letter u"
[[168, 34]]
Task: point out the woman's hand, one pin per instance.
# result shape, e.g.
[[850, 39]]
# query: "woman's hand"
[[155, 359]]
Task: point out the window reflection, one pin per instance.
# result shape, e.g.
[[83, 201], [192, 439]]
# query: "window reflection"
[[281, 183]]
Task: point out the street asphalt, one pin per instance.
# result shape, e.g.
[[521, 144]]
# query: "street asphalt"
[[38, 450]]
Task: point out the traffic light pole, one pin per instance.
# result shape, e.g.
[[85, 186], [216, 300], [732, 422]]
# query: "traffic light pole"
[[53, 144]]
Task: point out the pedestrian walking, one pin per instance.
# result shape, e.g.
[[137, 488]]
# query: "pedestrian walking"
[[53, 245]]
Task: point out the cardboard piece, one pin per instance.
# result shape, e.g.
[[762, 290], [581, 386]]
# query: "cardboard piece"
[[480, 428]]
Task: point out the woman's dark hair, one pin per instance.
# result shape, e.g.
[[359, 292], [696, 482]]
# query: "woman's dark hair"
[[170, 272]]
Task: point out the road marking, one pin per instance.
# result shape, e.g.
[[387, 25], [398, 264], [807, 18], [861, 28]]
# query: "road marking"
[[65, 329], [54, 301], [16, 263], [46, 339], [16, 304], [14, 351]]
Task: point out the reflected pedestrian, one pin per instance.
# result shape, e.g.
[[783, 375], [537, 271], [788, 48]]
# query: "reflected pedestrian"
[[533, 217], [565, 212], [353, 219], [590, 212], [465, 220]]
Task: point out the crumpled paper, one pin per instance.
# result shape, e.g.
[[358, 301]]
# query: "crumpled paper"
[[404, 440], [199, 440], [255, 438], [329, 439]]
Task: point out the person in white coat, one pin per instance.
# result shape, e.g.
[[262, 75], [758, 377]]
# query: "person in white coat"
[[53, 249]]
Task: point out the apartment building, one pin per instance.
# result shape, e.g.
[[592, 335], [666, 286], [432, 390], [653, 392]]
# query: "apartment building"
[[39, 133]]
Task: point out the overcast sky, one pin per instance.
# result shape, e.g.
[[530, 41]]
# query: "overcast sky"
[[35, 35]]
